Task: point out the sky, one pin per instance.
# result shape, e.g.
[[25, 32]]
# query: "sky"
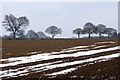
[[65, 15]]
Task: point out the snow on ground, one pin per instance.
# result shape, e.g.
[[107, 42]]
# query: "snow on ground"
[[101, 58], [48, 66], [55, 64], [23, 70], [63, 71], [109, 42], [48, 56]]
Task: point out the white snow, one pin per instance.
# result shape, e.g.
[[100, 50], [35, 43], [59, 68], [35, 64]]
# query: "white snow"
[[55, 64], [75, 48], [23, 70], [101, 58], [99, 47], [48, 66], [109, 42], [33, 53], [47, 56], [62, 72]]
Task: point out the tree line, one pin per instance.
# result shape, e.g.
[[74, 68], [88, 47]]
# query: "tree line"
[[89, 28], [16, 27]]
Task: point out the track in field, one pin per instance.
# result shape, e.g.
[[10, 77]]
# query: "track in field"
[[57, 63]]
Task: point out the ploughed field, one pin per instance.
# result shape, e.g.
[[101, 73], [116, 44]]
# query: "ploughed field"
[[90, 59]]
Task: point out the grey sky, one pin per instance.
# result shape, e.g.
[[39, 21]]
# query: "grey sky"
[[66, 16]]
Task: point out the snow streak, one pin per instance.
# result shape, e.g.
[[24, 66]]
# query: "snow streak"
[[73, 52]]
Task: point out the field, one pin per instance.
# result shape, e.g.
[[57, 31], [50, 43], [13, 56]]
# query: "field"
[[90, 59]]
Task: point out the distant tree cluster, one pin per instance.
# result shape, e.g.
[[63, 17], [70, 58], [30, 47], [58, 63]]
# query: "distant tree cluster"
[[16, 27], [33, 35], [90, 28]]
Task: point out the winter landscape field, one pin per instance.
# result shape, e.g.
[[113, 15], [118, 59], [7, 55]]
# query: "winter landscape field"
[[59, 40], [61, 59]]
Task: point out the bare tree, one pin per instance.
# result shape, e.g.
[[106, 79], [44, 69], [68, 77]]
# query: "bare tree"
[[100, 29], [6, 37], [77, 31], [114, 35], [14, 24], [53, 30], [32, 35], [110, 31], [88, 29], [21, 34], [118, 35], [41, 35]]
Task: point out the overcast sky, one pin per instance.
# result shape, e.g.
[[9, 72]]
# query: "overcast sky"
[[64, 15]]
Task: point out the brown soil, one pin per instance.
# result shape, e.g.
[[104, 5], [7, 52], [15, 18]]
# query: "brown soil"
[[13, 48], [105, 70], [101, 70], [68, 59], [108, 70]]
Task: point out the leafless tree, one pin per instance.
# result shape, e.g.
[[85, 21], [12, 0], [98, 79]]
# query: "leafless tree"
[[88, 29], [21, 34], [53, 30], [32, 35], [118, 35], [100, 29], [41, 35], [14, 24], [77, 31], [110, 31]]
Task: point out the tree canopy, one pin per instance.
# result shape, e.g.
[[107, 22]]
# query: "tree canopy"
[[14, 24], [53, 30], [77, 31], [88, 28], [101, 29]]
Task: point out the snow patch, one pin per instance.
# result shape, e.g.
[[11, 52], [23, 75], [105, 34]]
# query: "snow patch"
[[48, 56], [62, 72]]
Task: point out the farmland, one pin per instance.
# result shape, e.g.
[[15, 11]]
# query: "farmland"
[[11, 48], [60, 58]]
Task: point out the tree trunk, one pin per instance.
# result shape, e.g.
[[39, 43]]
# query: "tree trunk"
[[14, 35], [99, 35], [53, 36], [89, 35], [108, 35], [78, 35]]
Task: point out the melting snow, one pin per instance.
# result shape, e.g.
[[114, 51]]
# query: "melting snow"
[[101, 58], [57, 64], [49, 66], [109, 42], [47, 56], [62, 72]]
